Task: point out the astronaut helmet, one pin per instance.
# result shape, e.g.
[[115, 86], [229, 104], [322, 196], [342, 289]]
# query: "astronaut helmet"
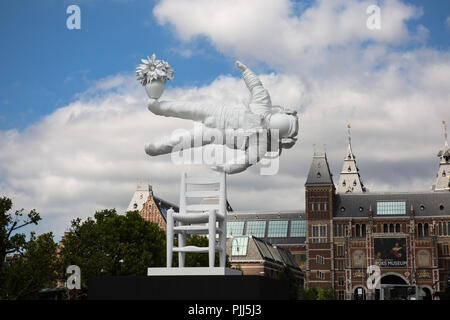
[[284, 120]]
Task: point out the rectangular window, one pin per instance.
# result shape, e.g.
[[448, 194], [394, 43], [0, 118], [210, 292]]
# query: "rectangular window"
[[319, 234], [341, 281], [239, 246], [320, 275], [440, 228], [340, 265], [341, 295], [445, 229], [320, 260], [445, 247], [235, 228], [256, 228], [323, 234], [338, 230], [298, 228], [340, 251], [391, 207], [277, 229], [315, 231]]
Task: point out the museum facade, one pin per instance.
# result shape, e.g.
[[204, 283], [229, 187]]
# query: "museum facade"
[[345, 229]]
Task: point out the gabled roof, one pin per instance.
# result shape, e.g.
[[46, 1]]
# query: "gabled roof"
[[424, 204], [319, 172], [164, 205]]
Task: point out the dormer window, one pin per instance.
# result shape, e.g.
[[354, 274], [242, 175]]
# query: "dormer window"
[[319, 175], [354, 183], [349, 169], [135, 206], [344, 184], [443, 173]]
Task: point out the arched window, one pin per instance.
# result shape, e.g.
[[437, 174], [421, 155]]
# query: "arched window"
[[419, 230], [358, 230], [440, 228], [445, 229], [391, 228], [363, 230], [425, 230], [397, 228]]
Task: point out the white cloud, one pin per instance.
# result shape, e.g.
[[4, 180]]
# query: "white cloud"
[[271, 31]]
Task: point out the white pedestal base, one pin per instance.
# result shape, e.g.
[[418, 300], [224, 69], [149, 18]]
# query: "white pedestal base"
[[197, 271]]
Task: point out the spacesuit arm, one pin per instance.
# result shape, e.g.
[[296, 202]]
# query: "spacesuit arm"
[[182, 109]]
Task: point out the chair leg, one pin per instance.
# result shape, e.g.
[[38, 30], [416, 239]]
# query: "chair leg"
[[222, 243], [169, 239], [212, 238], [181, 243]]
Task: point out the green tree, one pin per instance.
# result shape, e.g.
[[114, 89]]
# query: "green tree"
[[293, 283], [317, 293], [325, 294], [112, 244], [33, 271], [11, 241], [309, 294]]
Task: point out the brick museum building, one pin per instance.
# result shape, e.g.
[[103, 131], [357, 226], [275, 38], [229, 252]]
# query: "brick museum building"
[[346, 228]]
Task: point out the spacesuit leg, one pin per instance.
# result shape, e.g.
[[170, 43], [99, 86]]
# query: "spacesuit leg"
[[260, 102], [184, 139]]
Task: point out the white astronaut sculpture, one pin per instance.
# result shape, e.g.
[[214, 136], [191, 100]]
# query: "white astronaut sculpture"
[[250, 124]]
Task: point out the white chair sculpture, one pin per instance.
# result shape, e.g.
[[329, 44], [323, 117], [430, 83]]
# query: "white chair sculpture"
[[199, 219]]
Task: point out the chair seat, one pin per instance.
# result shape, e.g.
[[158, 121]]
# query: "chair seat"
[[193, 229], [195, 217], [195, 249]]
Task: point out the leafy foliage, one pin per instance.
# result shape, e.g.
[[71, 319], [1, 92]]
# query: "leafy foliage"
[[317, 294], [287, 274], [33, 271], [10, 240], [112, 244]]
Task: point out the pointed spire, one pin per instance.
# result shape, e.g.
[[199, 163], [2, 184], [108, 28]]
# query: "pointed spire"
[[349, 180], [319, 172], [443, 175]]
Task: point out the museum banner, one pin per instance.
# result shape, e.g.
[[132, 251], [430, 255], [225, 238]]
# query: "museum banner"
[[390, 252]]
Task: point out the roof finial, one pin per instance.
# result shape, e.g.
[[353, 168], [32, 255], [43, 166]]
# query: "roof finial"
[[445, 132], [349, 135]]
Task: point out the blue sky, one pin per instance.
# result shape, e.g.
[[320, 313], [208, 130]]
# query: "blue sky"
[[44, 65]]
